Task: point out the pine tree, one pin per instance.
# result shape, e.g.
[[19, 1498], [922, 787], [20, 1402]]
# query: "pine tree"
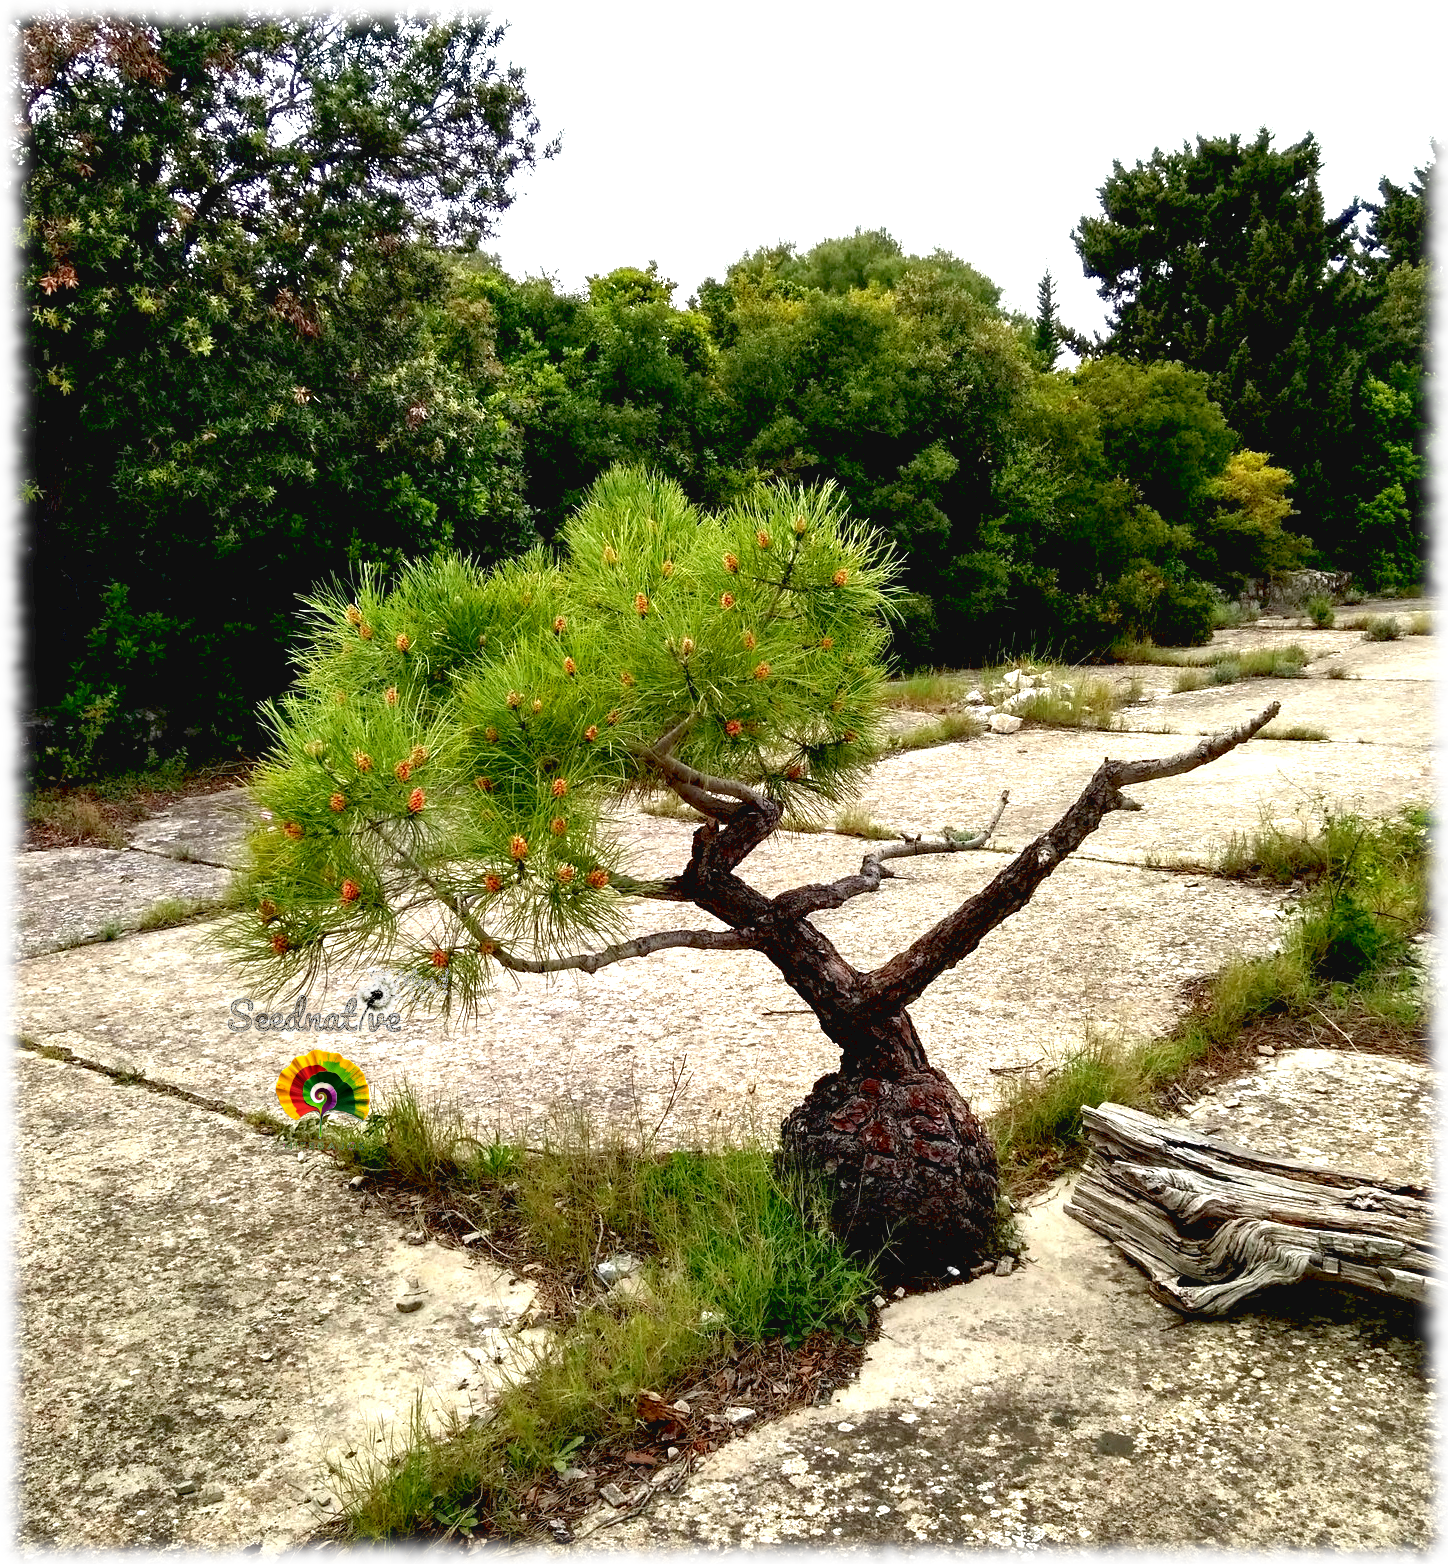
[[442, 771], [1047, 336]]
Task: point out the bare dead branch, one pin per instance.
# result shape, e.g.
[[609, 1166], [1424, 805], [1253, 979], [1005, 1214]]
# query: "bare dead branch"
[[906, 976], [806, 899], [645, 945]]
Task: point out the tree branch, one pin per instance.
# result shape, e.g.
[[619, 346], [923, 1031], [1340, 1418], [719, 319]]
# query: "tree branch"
[[645, 945], [906, 976], [805, 899], [675, 772]]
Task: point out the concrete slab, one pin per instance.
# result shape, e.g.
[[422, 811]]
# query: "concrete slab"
[[161, 1003], [71, 894], [199, 1306], [210, 828], [1062, 1406]]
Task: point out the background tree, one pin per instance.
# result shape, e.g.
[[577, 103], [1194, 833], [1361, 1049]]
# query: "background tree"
[[1046, 338], [1220, 257], [228, 234], [442, 770]]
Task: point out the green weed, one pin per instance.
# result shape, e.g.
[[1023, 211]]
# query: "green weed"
[[1296, 731], [855, 821], [949, 729], [1420, 624], [1381, 629], [1319, 610], [76, 816]]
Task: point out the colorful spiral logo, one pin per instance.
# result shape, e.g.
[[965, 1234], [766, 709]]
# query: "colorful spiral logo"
[[322, 1083]]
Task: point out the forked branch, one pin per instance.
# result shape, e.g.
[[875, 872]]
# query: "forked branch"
[[906, 976]]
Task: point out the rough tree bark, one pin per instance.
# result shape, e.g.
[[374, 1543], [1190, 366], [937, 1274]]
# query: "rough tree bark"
[[911, 1172]]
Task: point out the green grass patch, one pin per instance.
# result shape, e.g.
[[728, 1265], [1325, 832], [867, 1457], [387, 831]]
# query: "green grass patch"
[[1345, 946], [932, 691], [855, 821], [731, 1258], [1078, 703], [1420, 624], [1228, 616], [1297, 730], [949, 729], [669, 806]]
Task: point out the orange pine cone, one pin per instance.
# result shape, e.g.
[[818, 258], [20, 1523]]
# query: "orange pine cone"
[[598, 878], [840, 577], [761, 671], [560, 787], [641, 604], [667, 568], [626, 679], [402, 770], [280, 944], [365, 631], [518, 848], [492, 884], [350, 890], [733, 727], [566, 874], [762, 539], [354, 614], [569, 666], [491, 735], [560, 624], [484, 784], [513, 699], [826, 642], [402, 643], [419, 755], [391, 696], [749, 642], [267, 910], [338, 803], [731, 564], [293, 830], [726, 600], [361, 760], [439, 958], [416, 801], [558, 825], [590, 733]]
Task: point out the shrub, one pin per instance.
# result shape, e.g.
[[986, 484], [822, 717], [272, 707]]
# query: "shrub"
[[1319, 611], [1382, 629]]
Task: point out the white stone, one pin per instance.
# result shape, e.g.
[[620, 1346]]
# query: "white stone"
[[1012, 679], [974, 698], [1002, 722]]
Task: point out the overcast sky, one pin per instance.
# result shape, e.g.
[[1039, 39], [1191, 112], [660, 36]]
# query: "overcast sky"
[[692, 133]]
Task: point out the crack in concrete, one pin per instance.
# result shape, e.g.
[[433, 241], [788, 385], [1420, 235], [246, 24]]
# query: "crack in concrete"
[[66, 1055]]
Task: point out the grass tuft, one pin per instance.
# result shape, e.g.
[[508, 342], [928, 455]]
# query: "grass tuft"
[[949, 729], [1376, 628], [856, 821], [1319, 610], [76, 816], [1296, 731]]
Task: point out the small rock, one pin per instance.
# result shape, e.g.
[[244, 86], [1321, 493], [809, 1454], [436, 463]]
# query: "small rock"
[[737, 1415], [280, 1436], [474, 1238], [1003, 722], [1005, 1265], [616, 1267], [416, 1238], [672, 1452], [974, 698], [880, 1301], [410, 1304], [661, 1476], [322, 1499], [358, 1182], [615, 1495], [1265, 1050], [211, 1494], [682, 1408], [573, 1474], [183, 1489], [952, 1270], [899, 1292], [1012, 679]]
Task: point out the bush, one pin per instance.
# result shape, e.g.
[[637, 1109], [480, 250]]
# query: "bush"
[[1319, 611], [1382, 629], [1185, 614]]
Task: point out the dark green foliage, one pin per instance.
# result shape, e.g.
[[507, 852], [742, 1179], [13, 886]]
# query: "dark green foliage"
[[1221, 257], [234, 386], [1046, 338]]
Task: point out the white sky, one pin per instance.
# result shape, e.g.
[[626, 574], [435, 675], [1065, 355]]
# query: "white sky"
[[692, 133]]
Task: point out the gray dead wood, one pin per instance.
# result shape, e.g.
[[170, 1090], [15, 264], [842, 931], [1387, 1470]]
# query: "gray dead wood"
[[1211, 1222]]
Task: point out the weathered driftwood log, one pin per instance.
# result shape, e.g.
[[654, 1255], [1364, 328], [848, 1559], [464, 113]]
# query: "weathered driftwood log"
[[1211, 1222]]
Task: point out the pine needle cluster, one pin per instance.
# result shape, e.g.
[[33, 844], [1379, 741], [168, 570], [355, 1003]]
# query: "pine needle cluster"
[[441, 772]]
